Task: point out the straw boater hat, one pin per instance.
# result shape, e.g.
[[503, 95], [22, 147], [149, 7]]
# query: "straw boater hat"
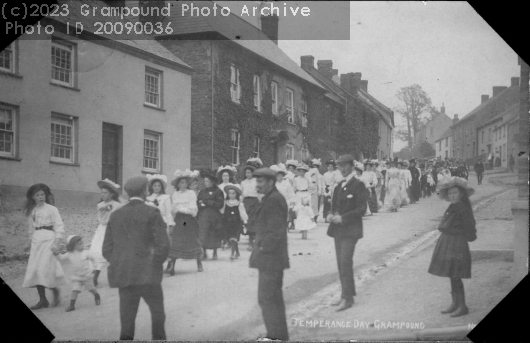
[[331, 162], [114, 186], [293, 163], [230, 169], [316, 162], [253, 163], [454, 181], [280, 168], [237, 188], [358, 166], [303, 166], [156, 177], [195, 174], [180, 174], [375, 162]]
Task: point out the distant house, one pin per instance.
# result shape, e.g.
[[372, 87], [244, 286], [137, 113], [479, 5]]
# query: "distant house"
[[474, 136], [248, 97], [434, 128], [75, 110], [350, 92], [444, 144]]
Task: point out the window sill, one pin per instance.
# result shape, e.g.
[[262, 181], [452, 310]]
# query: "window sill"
[[151, 171], [11, 158], [64, 86], [154, 107], [8, 73], [65, 163]]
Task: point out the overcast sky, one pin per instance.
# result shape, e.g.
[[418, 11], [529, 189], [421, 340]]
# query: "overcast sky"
[[445, 47]]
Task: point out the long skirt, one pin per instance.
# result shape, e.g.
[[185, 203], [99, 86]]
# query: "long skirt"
[[405, 200], [96, 247], [185, 238], [372, 200], [451, 257], [392, 195], [382, 194], [43, 268], [415, 190], [250, 207], [314, 200], [233, 230], [210, 223]]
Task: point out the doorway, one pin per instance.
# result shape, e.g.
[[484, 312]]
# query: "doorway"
[[111, 155]]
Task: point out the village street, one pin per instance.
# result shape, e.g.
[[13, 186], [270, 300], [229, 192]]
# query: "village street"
[[221, 302]]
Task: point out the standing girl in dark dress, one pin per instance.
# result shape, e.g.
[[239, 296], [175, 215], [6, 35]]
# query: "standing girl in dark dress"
[[234, 217], [210, 201], [185, 234], [451, 257], [415, 187]]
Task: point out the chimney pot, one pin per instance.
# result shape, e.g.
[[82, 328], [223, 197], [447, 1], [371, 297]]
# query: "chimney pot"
[[307, 61], [484, 98], [515, 82], [364, 85], [498, 89], [455, 119], [325, 67], [269, 26]]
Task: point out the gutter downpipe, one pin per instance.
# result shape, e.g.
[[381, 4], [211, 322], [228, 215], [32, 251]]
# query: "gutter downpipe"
[[212, 93]]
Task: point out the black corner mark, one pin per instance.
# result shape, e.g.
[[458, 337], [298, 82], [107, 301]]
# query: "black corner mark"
[[16, 15], [506, 322], [19, 324]]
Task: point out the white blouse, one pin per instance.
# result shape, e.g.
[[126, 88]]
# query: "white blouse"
[[286, 190], [105, 209], [164, 205], [300, 184], [185, 202], [248, 187], [46, 215], [367, 177]]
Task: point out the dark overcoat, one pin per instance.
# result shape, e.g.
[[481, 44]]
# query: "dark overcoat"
[[136, 244], [270, 220], [349, 201]]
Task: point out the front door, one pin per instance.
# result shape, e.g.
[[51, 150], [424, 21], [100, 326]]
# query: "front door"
[[111, 153]]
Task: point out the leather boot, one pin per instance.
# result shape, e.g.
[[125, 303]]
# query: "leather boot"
[[97, 299], [168, 267], [171, 267], [344, 304], [96, 275], [453, 306], [337, 302], [233, 246], [214, 257], [461, 302], [40, 304], [199, 265], [71, 307], [56, 297]]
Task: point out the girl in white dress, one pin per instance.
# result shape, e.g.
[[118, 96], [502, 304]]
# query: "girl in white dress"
[[109, 203], [46, 231], [227, 176], [159, 199], [392, 188], [304, 216], [301, 190]]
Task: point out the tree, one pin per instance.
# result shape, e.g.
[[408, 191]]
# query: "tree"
[[404, 154], [416, 105], [426, 150]]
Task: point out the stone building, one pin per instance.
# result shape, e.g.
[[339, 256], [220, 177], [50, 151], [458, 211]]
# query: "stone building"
[[434, 128], [113, 109]]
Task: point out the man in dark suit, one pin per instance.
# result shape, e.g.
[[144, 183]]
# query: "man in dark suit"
[[136, 244], [270, 253], [479, 169], [348, 205]]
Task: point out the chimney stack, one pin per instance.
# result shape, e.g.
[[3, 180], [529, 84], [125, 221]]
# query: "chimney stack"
[[350, 82], [442, 109], [497, 90], [455, 119], [269, 26], [515, 82], [364, 85], [484, 98], [325, 67], [307, 62]]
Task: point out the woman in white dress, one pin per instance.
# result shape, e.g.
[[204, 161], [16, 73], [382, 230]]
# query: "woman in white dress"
[[158, 198], [392, 188], [403, 178], [301, 190], [315, 185], [109, 203], [46, 232]]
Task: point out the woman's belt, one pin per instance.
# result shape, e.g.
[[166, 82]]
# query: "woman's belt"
[[44, 228]]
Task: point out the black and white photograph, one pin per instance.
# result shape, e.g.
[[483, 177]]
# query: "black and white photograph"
[[260, 170]]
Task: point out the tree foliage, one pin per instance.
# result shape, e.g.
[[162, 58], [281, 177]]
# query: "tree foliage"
[[415, 108], [426, 150]]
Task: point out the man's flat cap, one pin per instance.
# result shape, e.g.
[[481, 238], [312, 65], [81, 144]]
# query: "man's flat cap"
[[136, 184], [266, 173], [345, 159]]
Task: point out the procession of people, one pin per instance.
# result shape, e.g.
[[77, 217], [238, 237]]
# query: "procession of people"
[[210, 210]]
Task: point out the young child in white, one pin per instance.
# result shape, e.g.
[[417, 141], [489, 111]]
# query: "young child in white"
[[304, 216], [82, 271]]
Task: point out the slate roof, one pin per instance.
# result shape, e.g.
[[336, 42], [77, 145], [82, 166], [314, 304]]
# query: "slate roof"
[[251, 38], [141, 42], [505, 116], [447, 133]]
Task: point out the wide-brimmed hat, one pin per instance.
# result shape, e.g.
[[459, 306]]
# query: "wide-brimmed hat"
[[331, 162], [303, 167], [235, 187], [454, 181], [368, 163], [413, 160], [358, 165], [375, 162], [180, 174], [195, 174], [156, 177], [280, 168], [253, 163], [316, 162], [230, 169], [209, 174], [293, 163], [113, 186]]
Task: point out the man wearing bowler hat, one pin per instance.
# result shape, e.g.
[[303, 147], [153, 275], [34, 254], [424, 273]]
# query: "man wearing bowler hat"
[[348, 204], [269, 255], [136, 244]]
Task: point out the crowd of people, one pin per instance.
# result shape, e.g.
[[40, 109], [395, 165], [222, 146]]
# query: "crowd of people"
[[210, 210]]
